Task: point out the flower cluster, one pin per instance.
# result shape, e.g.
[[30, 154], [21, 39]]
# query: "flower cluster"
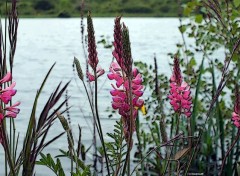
[[92, 52], [127, 91], [236, 113], [121, 92], [180, 97], [6, 95], [120, 95]]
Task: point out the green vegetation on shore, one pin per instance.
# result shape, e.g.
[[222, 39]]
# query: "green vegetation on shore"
[[101, 8]]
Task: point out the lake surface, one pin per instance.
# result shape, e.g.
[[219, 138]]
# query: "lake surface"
[[41, 42]]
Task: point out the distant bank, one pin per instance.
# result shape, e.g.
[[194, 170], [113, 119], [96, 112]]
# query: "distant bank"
[[99, 8]]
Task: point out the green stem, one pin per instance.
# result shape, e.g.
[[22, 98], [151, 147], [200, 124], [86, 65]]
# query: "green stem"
[[95, 125], [169, 157], [6, 168], [94, 129], [91, 105], [99, 124], [6, 149]]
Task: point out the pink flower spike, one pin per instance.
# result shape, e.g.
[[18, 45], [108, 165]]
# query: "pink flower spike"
[[6, 78], [127, 80], [180, 97]]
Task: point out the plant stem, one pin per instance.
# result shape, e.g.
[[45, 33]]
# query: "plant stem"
[[168, 160], [228, 152], [91, 105], [6, 149], [127, 161], [6, 168], [94, 129], [99, 123]]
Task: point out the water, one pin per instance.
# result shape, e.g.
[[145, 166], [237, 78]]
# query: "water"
[[41, 42]]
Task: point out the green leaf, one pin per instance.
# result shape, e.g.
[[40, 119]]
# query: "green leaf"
[[192, 62], [182, 28], [48, 161], [187, 11], [235, 57], [198, 18], [236, 2]]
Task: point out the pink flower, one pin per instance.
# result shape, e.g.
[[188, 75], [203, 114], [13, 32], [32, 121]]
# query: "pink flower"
[[99, 73], [6, 78], [7, 93], [120, 93], [6, 96], [180, 94], [12, 111]]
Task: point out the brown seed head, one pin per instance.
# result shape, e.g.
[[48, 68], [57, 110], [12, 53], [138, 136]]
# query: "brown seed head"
[[78, 68]]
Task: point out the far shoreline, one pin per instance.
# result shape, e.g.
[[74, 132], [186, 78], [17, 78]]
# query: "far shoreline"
[[100, 15]]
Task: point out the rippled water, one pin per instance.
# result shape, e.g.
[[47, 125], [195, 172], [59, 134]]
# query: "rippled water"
[[41, 42]]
